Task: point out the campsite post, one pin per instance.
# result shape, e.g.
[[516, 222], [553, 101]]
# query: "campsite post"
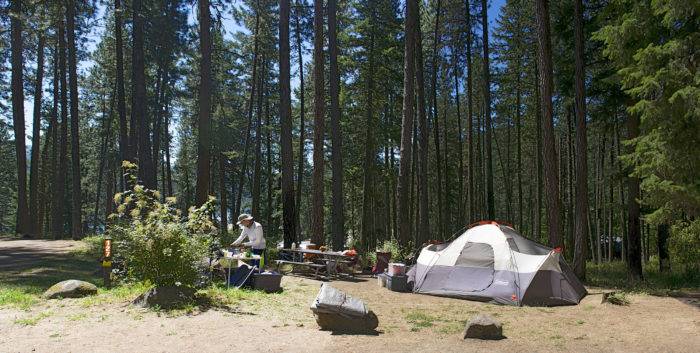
[[107, 261]]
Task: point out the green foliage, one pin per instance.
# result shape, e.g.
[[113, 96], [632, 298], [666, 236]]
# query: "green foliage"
[[651, 44], [614, 275], [399, 253], [618, 298], [684, 244], [155, 242]]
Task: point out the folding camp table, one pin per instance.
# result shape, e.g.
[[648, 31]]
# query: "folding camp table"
[[230, 258]]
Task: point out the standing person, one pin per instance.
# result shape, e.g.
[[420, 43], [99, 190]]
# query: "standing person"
[[256, 241]]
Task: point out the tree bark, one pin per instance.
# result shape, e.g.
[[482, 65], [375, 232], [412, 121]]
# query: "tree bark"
[[302, 118], [634, 246], [470, 117], [140, 125], [490, 206], [338, 207], [435, 120], [403, 188], [223, 229], [367, 232], [34, 215], [662, 245], [124, 148], [23, 221], [204, 141], [581, 209], [59, 202], [317, 211], [549, 153], [253, 86], [423, 139], [288, 207], [257, 164], [76, 193]]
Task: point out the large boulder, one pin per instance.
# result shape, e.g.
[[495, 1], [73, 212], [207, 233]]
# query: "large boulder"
[[71, 288], [483, 327], [338, 312], [166, 297]]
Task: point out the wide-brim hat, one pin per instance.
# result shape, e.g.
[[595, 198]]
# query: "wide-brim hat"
[[244, 217]]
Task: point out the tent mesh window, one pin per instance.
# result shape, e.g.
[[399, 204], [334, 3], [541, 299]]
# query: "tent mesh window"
[[476, 255]]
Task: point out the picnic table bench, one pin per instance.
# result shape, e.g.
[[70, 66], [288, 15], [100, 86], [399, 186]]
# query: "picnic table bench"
[[310, 265], [327, 260]]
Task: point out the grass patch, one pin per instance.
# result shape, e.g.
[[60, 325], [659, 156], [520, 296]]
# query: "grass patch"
[[33, 320], [419, 319], [614, 275], [17, 298], [77, 317], [121, 293]]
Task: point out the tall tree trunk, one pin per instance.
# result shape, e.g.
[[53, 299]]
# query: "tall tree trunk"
[[269, 177], [169, 174], [34, 191], [662, 246], [423, 139], [76, 193], [403, 188], [288, 211], [337, 208], [204, 141], [222, 194], [140, 125], [470, 115], [490, 206], [435, 120], [302, 118], [460, 147], [23, 221], [257, 164], [634, 246], [102, 164], [317, 217], [538, 139], [368, 240], [124, 148], [253, 86], [518, 123], [549, 153], [59, 202]]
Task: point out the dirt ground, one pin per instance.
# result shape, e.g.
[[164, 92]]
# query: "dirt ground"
[[284, 323]]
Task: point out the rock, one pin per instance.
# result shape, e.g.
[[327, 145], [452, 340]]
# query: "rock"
[[71, 288], [338, 322], [483, 327], [167, 297], [338, 312]]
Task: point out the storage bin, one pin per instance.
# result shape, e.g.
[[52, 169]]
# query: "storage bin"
[[397, 283], [397, 269], [269, 282]]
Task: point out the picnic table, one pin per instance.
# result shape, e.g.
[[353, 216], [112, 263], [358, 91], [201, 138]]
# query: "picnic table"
[[328, 260]]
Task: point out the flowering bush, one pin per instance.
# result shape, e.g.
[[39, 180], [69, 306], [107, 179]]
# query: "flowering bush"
[[154, 241]]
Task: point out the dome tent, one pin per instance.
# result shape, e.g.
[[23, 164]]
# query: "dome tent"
[[492, 262]]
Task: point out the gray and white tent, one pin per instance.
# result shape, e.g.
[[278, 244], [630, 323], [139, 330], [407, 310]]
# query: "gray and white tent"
[[492, 262]]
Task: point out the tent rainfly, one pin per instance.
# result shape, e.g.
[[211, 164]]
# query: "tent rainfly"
[[492, 262]]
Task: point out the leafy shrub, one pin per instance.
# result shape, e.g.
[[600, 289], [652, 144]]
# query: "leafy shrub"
[[398, 253], [154, 241]]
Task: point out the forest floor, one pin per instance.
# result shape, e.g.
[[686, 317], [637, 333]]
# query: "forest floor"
[[254, 321]]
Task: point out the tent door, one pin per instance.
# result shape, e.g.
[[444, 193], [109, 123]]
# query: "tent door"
[[473, 270]]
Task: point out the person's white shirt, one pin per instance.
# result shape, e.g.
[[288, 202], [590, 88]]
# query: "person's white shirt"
[[254, 233]]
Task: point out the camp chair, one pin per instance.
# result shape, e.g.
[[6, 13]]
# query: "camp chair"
[[382, 264]]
